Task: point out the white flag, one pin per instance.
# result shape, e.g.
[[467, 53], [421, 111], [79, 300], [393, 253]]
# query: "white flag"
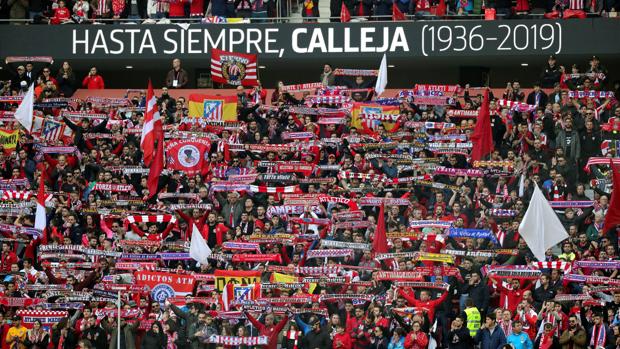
[[199, 249], [381, 77], [541, 228], [25, 110]]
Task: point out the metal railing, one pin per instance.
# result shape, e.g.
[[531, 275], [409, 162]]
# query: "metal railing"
[[290, 19]]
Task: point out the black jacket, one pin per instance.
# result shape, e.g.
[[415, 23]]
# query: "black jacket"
[[480, 295], [550, 75], [154, 341], [319, 339], [97, 337], [542, 295], [79, 132], [460, 339]]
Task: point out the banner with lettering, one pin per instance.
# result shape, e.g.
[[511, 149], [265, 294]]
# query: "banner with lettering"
[[164, 285], [48, 318], [187, 155], [368, 110], [238, 277], [8, 139]]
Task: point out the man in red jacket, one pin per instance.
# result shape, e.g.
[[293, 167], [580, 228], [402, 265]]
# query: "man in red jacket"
[[269, 328], [93, 81], [7, 258], [424, 301]]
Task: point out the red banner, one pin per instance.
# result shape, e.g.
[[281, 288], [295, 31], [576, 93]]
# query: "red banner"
[[164, 285], [187, 155], [233, 68]]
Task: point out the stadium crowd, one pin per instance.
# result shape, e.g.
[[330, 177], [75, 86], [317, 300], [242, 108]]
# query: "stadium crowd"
[[222, 11], [295, 193]]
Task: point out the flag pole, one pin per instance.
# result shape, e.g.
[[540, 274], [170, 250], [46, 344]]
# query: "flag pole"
[[118, 321]]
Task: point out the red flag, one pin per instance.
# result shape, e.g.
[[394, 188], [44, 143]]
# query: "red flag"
[[397, 15], [345, 16], [612, 218], [227, 296], [482, 138], [152, 125], [379, 244], [157, 165]]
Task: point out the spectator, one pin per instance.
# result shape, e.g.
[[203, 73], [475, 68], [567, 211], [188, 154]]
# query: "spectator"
[[459, 337], [568, 140], [66, 80], [17, 79], [489, 336], [37, 337], [327, 77], [537, 97], [547, 339], [61, 15], [16, 337], [551, 73], [18, 10], [601, 335], [80, 10], [382, 8], [93, 81], [177, 77], [574, 336], [519, 339]]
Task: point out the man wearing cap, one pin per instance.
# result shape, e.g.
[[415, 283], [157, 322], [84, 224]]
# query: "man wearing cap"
[[16, 81], [551, 73], [16, 334]]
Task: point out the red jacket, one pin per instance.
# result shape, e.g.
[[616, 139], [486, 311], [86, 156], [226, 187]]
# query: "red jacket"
[[271, 332], [342, 341], [93, 82], [417, 340], [61, 14], [6, 259], [509, 299], [430, 305]]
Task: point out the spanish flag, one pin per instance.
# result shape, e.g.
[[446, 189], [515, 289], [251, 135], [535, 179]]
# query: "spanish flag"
[[370, 109], [213, 108]]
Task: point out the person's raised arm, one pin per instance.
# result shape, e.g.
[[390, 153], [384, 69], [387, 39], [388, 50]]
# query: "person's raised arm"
[[259, 326], [409, 298], [281, 324]]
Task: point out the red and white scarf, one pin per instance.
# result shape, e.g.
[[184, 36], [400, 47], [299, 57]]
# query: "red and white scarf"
[[599, 337]]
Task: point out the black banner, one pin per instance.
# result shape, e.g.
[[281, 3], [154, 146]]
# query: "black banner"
[[278, 177], [329, 40]]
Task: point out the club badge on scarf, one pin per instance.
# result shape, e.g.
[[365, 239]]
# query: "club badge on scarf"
[[164, 285]]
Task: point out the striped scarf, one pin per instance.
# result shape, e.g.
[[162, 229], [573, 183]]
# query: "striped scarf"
[[160, 218], [599, 337], [363, 176], [506, 326]]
